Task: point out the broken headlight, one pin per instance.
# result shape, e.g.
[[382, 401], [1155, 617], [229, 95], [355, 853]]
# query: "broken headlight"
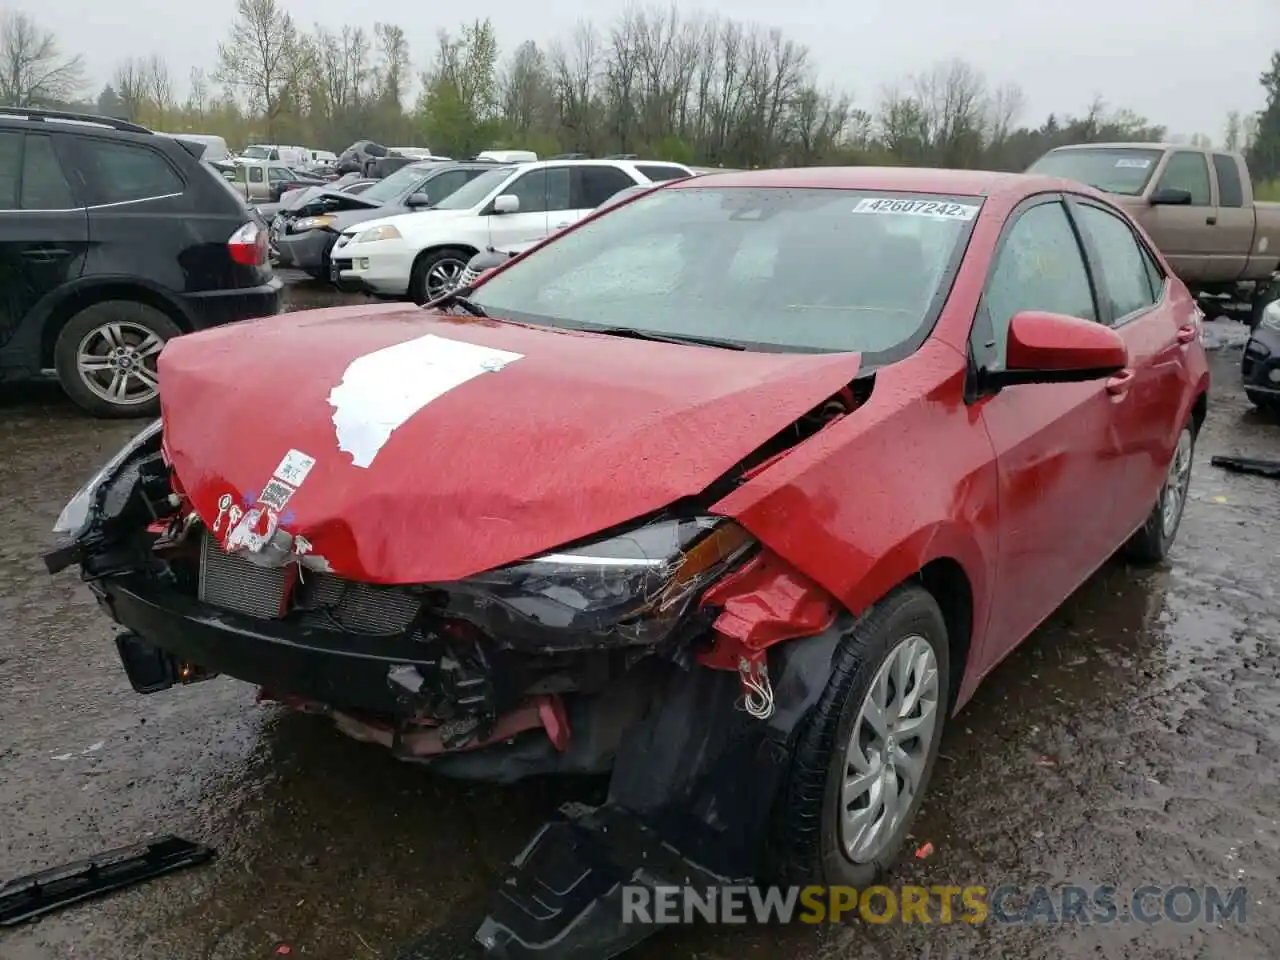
[[74, 517], [629, 589]]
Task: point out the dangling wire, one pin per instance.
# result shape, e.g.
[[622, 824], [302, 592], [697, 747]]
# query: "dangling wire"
[[757, 691]]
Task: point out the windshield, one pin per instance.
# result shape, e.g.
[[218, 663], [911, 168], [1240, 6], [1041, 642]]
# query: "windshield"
[[391, 187], [470, 194], [257, 153], [773, 269], [1122, 170]]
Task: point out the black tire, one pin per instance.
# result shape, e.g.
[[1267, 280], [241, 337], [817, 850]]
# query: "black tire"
[[88, 329], [1266, 403], [809, 848], [1154, 538], [420, 283]]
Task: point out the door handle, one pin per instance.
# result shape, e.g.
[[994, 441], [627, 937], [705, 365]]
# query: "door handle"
[[1211, 220], [1119, 384], [560, 226], [46, 253], [1187, 333]]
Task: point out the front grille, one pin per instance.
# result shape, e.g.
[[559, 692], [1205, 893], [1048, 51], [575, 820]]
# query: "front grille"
[[319, 600]]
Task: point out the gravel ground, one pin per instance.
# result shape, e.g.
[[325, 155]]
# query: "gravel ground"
[[1134, 740]]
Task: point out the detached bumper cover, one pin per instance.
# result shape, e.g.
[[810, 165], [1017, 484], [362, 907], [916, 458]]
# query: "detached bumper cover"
[[305, 251]]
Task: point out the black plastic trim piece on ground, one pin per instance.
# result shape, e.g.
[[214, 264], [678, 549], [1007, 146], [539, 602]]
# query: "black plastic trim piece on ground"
[[34, 895], [1263, 468]]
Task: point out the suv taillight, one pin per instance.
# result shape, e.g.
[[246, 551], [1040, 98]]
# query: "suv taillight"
[[248, 245]]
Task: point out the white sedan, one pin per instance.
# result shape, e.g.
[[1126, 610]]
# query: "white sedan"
[[422, 255]]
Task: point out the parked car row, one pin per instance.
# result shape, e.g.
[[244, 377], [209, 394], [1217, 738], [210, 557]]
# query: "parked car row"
[[422, 256]]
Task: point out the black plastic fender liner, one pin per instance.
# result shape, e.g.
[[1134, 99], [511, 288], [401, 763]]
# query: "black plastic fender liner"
[[690, 802], [27, 897]]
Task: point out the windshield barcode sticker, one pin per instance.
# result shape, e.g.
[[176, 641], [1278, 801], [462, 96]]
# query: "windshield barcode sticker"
[[939, 210], [1132, 163]]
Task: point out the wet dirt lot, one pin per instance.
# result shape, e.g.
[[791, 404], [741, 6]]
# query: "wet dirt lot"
[[1133, 740]]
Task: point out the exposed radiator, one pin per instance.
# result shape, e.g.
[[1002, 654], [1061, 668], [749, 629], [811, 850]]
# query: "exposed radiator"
[[319, 600]]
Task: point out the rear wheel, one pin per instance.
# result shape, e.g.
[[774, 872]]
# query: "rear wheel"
[[1151, 543], [437, 272], [862, 763], [106, 358]]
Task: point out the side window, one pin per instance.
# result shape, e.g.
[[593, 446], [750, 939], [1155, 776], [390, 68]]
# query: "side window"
[[598, 184], [44, 185], [439, 187], [10, 169], [559, 189], [1038, 267], [1187, 171], [1230, 190], [657, 172], [124, 172], [531, 189], [255, 174], [278, 174], [1120, 260], [1155, 276]]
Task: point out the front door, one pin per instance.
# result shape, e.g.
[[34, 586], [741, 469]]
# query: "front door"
[[540, 191], [1158, 330], [1056, 445], [1185, 231], [44, 235]]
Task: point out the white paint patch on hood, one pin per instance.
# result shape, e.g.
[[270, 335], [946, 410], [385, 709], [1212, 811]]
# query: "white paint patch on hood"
[[383, 389]]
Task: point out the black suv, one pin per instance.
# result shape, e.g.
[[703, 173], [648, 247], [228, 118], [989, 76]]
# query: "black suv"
[[113, 240]]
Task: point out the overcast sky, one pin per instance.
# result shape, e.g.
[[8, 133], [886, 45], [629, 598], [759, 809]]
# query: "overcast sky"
[[1182, 63]]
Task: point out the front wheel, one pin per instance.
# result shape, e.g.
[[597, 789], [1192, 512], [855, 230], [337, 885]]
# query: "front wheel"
[[1152, 542], [436, 273], [106, 358], [862, 762]]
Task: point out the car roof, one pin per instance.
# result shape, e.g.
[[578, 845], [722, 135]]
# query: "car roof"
[[960, 183], [1125, 146]]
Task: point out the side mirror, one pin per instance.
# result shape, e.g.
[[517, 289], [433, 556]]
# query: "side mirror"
[[1053, 348], [417, 201], [1169, 197], [507, 203]]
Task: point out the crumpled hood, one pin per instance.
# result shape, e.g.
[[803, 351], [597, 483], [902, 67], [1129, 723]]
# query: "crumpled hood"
[[417, 447]]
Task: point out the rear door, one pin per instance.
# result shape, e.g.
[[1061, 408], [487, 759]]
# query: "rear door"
[[44, 232], [1056, 444], [592, 186], [140, 223], [1158, 332]]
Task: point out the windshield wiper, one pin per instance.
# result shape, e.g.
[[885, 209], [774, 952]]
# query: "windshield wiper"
[[683, 338], [457, 298]]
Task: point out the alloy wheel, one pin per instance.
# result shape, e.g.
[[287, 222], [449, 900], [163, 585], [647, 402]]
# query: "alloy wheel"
[[889, 748], [1176, 482], [117, 362], [443, 277]]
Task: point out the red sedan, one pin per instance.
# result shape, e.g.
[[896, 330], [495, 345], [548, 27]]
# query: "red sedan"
[[736, 490]]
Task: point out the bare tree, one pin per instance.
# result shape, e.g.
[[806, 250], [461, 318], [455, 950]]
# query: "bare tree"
[[1234, 131], [1004, 110], [953, 97], [525, 88], [33, 70], [198, 95], [393, 69], [574, 69], [261, 57], [131, 84], [159, 86]]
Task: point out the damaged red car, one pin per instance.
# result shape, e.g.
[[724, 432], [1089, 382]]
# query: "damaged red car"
[[734, 491]]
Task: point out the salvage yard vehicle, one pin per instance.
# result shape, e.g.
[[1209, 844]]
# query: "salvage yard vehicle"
[[1260, 364], [305, 241], [112, 241], [1198, 207], [423, 257], [736, 490]]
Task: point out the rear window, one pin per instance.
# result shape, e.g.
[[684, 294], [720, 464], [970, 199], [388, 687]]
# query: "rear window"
[[661, 171], [1121, 170]]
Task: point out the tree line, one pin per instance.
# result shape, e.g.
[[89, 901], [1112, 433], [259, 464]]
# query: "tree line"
[[699, 89]]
